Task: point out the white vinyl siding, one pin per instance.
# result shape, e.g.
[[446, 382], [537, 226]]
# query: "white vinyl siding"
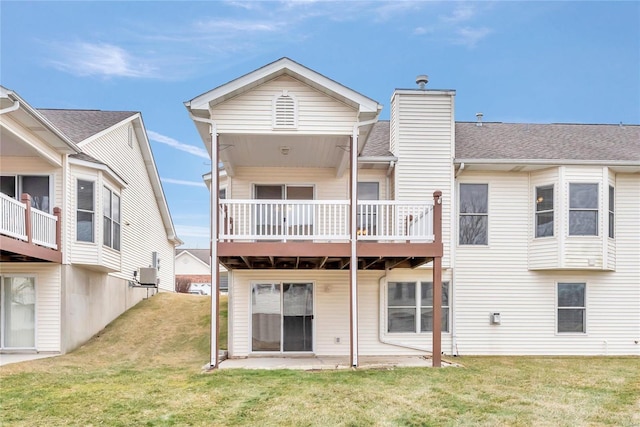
[[142, 228], [252, 112]]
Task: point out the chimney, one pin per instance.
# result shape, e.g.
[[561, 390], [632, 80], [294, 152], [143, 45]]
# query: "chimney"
[[422, 80], [479, 117]]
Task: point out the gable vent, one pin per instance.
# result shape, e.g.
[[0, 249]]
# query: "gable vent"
[[285, 111]]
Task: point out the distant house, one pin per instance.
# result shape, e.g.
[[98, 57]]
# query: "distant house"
[[195, 266], [82, 211], [346, 235]]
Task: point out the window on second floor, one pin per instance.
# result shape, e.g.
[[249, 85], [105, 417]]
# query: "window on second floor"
[[544, 211], [474, 214], [583, 209], [85, 211], [612, 224], [110, 219]]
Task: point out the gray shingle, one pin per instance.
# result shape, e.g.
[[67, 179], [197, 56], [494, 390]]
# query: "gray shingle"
[[378, 142], [202, 254], [86, 158], [79, 125], [521, 141]]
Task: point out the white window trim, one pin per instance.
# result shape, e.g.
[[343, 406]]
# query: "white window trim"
[[585, 308], [274, 104], [611, 213], [102, 216], [536, 212], [417, 306], [468, 245], [77, 209], [250, 319], [597, 210]]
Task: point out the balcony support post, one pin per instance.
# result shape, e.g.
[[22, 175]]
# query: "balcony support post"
[[437, 283], [26, 199], [58, 214], [353, 264]]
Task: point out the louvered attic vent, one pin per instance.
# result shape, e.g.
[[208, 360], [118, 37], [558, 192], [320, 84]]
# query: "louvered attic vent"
[[285, 111]]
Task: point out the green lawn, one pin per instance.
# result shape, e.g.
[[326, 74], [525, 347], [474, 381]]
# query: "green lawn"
[[145, 369]]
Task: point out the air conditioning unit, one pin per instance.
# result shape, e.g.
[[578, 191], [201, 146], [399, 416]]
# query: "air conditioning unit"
[[148, 276]]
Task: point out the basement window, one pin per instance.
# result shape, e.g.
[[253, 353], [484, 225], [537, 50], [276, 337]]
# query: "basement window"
[[285, 111]]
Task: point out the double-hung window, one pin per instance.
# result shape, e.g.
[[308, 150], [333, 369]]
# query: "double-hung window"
[[572, 307], [85, 211], [410, 307], [612, 224], [544, 211], [474, 214], [583, 209], [111, 219]]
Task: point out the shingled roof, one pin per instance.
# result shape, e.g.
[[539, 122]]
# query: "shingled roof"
[[79, 125], [378, 142], [202, 254], [517, 141]]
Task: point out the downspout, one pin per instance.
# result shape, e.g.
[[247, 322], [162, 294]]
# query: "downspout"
[[381, 316], [14, 107], [392, 164], [353, 260], [215, 265], [459, 170]]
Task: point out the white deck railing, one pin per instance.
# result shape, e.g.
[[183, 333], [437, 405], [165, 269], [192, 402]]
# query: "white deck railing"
[[324, 220], [12, 217], [13, 214]]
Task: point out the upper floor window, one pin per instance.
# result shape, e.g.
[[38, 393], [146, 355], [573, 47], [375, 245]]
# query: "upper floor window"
[[285, 111], [111, 219], [85, 211], [611, 211], [474, 214], [410, 307], [572, 307], [583, 209], [544, 211], [37, 186]]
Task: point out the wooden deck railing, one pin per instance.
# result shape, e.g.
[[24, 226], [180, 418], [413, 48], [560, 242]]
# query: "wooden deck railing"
[[324, 220], [20, 221]]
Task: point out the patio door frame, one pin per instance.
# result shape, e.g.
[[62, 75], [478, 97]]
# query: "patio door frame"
[[283, 196], [3, 313], [281, 283]]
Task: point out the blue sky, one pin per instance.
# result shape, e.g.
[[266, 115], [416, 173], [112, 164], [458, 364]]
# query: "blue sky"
[[538, 62]]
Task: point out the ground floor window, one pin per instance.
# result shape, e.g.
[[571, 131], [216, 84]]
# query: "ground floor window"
[[282, 317], [410, 307], [572, 307], [17, 312]]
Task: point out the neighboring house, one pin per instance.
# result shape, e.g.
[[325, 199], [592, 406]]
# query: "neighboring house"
[[338, 240], [82, 210], [195, 265]]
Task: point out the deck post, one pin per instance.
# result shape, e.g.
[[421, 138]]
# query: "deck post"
[[58, 214], [437, 283], [353, 263], [26, 199]]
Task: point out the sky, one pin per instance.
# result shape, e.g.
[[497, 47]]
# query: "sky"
[[534, 62]]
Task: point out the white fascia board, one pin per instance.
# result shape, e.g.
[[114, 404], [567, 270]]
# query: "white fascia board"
[[101, 167], [279, 67], [550, 162], [156, 184], [7, 93]]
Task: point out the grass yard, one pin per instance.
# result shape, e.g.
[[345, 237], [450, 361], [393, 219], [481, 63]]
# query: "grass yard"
[[144, 369]]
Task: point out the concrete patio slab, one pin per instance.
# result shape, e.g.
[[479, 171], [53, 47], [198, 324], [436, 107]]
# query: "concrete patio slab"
[[8, 358], [328, 363]]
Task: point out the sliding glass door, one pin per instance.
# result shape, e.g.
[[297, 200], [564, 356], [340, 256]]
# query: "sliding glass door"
[[282, 317], [17, 312]]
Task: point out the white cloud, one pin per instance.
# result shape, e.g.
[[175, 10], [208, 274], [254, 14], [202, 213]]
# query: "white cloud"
[[418, 31], [100, 59], [183, 182], [460, 14], [469, 37], [191, 149]]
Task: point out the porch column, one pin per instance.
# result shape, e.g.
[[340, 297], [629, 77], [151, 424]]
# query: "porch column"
[[58, 214], [353, 264], [437, 282], [215, 277]]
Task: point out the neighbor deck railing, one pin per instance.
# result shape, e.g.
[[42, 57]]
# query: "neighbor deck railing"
[[324, 220], [20, 221]]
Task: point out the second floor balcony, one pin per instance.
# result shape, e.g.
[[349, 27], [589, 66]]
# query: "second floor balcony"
[[28, 234]]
